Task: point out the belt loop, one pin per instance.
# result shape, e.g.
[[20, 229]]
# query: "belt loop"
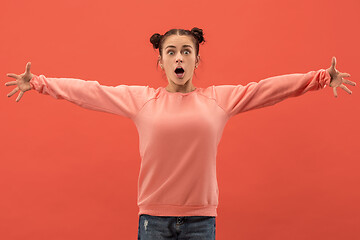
[[180, 220]]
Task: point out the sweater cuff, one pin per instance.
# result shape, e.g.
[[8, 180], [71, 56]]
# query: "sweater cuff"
[[33, 81], [325, 78]]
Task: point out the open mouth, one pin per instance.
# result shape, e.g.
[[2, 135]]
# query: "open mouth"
[[180, 72]]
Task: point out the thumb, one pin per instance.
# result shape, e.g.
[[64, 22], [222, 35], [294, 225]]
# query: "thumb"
[[333, 62], [27, 68]]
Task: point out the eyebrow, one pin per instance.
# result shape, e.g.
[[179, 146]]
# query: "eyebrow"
[[175, 47]]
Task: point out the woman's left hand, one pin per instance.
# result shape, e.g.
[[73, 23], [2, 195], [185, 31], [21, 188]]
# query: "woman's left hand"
[[337, 78]]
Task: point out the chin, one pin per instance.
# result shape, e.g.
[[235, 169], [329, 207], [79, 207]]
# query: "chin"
[[181, 83]]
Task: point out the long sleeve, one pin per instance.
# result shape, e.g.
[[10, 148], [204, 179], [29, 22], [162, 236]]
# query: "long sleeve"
[[235, 99], [122, 100]]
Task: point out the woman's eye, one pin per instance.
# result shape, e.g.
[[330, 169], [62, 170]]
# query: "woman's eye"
[[188, 52]]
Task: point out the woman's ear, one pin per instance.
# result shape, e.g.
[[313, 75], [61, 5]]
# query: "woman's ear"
[[160, 61], [197, 60]]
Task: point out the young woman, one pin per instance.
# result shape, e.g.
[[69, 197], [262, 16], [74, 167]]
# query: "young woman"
[[179, 129]]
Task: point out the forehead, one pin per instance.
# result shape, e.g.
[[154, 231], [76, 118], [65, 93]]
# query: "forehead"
[[178, 41]]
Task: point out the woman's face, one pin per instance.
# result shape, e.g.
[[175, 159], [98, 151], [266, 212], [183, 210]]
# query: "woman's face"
[[179, 51]]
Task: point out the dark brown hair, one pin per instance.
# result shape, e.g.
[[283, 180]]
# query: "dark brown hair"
[[157, 40]]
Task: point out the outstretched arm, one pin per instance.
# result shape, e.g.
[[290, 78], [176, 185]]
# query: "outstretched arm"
[[235, 99], [122, 100]]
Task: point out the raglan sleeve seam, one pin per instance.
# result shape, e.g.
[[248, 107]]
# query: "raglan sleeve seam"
[[217, 102], [135, 115]]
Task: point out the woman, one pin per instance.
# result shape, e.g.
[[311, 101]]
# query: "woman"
[[179, 129]]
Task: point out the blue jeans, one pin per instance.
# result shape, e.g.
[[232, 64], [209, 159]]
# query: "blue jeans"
[[180, 228]]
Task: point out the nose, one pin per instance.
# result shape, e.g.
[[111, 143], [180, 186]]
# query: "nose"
[[179, 58]]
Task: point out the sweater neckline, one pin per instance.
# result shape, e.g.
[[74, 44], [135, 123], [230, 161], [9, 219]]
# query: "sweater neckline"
[[178, 93]]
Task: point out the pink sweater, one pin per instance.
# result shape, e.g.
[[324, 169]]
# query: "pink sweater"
[[179, 132]]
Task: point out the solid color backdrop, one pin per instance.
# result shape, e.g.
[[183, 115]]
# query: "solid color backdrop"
[[288, 171]]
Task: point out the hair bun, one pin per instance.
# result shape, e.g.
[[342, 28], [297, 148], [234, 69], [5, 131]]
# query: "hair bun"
[[155, 40], [198, 33]]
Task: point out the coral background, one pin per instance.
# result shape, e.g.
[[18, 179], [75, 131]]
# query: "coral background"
[[288, 171]]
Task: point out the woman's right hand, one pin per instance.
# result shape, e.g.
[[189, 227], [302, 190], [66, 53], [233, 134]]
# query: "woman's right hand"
[[22, 82]]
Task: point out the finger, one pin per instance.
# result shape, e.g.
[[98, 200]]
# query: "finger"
[[345, 88], [10, 83], [349, 82], [333, 62], [335, 92], [13, 91], [20, 95], [27, 69], [344, 75], [13, 75]]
